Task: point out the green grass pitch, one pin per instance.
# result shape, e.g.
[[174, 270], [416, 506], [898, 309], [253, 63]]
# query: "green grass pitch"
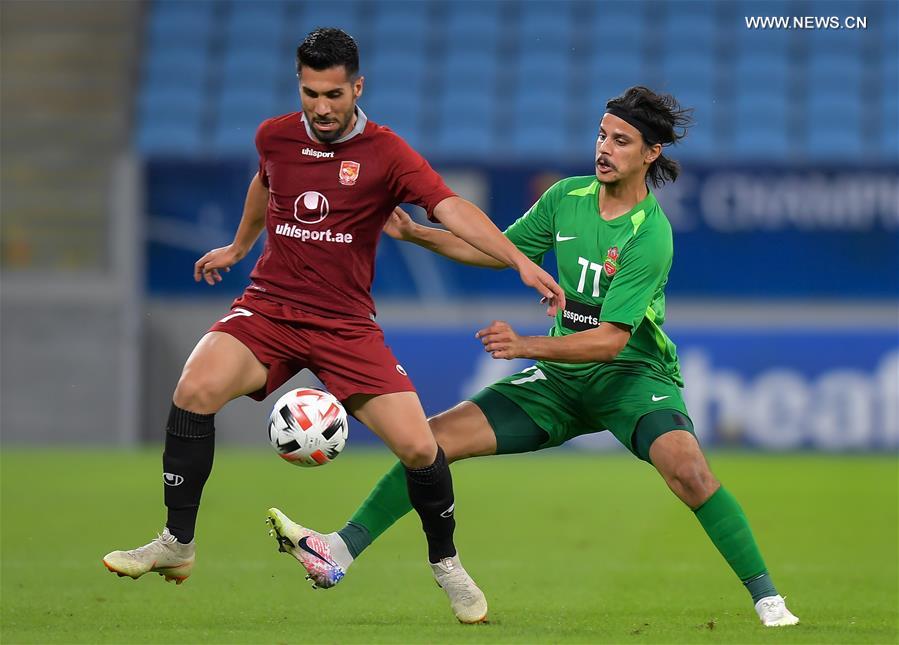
[[568, 548]]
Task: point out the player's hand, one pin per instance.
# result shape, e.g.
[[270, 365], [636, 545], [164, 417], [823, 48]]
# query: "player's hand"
[[552, 295], [400, 226], [210, 266], [501, 341]]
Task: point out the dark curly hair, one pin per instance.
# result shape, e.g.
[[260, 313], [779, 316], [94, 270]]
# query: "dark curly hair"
[[664, 116], [328, 47]]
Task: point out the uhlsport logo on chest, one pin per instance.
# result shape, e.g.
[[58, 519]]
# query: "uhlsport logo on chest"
[[311, 208]]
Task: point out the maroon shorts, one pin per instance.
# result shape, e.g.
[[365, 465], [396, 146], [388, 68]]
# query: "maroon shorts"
[[348, 355]]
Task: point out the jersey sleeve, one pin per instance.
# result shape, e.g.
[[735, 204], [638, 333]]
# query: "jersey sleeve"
[[642, 271], [532, 233], [411, 179], [260, 148]]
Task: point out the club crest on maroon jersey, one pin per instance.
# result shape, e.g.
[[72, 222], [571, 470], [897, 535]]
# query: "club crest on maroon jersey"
[[349, 172]]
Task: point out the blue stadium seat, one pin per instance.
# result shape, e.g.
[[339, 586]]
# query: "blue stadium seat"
[[344, 15], [234, 138], [170, 102], [175, 66], [262, 18], [761, 129], [249, 68], [617, 28], [405, 36], [169, 137], [473, 24], [685, 32], [469, 68], [699, 143], [180, 23], [545, 26], [401, 23], [391, 68], [608, 72], [541, 112], [888, 75], [692, 69], [836, 67], [179, 34], [888, 132], [393, 108], [762, 73], [834, 132], [551, 66], [466, 132], [242, 104]]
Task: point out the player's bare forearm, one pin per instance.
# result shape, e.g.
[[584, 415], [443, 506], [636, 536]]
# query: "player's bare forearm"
[[252, 222], [452, 247], [400, 226], [600, 345], [469, 223]]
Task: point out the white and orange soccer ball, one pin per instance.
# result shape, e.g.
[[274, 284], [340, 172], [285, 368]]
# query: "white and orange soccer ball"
[[308, 427]]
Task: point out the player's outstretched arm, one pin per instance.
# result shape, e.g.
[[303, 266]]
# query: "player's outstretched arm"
[[600, 345], [252, 222], [467, 221], [402, 227]]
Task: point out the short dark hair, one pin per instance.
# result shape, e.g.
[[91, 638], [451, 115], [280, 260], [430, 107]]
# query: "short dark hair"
[[664, 115], [328, 47]]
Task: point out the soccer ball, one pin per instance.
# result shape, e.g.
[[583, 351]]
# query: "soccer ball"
[[308, 427]]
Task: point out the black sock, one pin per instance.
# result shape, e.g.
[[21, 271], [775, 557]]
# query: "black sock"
[[431, 494], [186, 464]]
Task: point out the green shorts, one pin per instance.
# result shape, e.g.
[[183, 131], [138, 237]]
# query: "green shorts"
[[557, 407]]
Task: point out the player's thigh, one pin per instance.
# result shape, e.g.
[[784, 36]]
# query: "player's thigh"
[[463, 431], [400, 422], [531, 410], [219, 369], [620, 398]]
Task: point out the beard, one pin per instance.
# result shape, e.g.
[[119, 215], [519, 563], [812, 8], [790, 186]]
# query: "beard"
[[330, 136]]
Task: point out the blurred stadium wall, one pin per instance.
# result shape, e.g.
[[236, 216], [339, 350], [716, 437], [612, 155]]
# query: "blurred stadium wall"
[[127, 146]]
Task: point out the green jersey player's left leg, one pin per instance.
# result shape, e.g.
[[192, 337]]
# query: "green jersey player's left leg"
[[522, 414]]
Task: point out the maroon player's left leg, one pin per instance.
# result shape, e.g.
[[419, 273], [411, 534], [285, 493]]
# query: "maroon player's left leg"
[[399, 420]]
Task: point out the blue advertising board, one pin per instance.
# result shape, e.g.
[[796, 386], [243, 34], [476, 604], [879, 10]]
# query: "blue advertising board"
[[770, 390], [772, 232]]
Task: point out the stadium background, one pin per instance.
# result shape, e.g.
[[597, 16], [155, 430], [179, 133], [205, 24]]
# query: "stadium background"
[[127, 146]]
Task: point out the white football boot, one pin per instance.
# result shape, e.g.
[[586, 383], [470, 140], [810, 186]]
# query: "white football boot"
[[311, 549], [466, 599], [165, 555], [773, 612]]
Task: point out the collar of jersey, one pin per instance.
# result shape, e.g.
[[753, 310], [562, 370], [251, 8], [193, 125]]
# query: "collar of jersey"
[[643, 205], [361, 121]]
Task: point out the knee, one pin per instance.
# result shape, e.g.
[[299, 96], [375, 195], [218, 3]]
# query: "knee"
[[693, 481], [198, 392], [416, 454]]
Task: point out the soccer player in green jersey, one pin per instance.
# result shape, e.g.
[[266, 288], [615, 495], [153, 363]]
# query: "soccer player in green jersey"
[[606, 363]]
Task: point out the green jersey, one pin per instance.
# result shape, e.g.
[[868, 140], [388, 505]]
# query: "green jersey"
[[611, 270]]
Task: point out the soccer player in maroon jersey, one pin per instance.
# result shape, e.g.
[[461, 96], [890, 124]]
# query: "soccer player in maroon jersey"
[[328, 181]]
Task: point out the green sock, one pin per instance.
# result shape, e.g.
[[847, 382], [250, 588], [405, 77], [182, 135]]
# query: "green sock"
[[727, 526], [387, 502]]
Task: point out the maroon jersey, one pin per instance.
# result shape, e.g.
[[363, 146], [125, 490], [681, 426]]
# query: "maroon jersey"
[[327, 206]]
